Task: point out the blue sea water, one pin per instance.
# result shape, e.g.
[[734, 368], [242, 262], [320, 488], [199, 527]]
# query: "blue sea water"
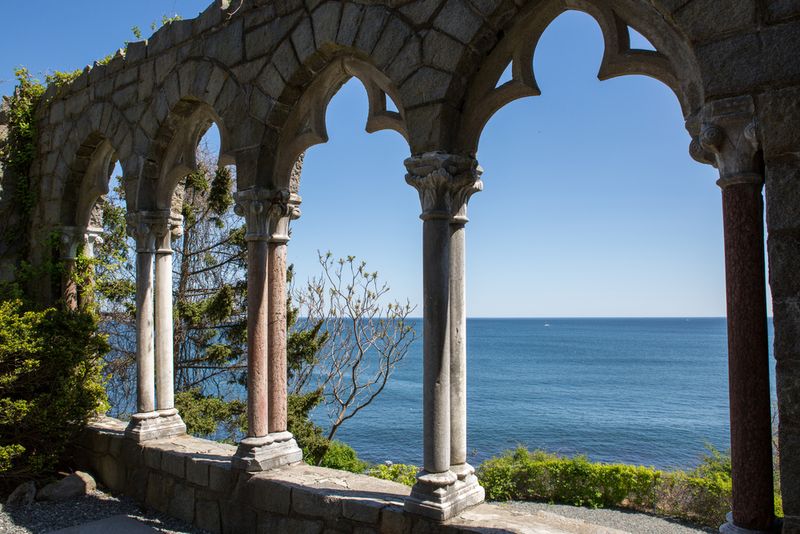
[[641, 391]]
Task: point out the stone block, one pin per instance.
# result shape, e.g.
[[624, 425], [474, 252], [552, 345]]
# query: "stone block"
[[111, 472], [325, 20], [786, 317], [392, 39], [136, 51], [152, 457], [220, 477], [458, 20], [156, 497], [317, 502], [371, 28], [395, 521], [181, 503], [694, 18], [197, 471], [364, 530], [165, 64], [269, 495], [441, 51], [136, 482], [237, 517], [270, 82], [363, 510], [782, 183], [425, 85], [350, 21], [778, 112], [778, 10], [207, 515], [226, 46], [303, 41], [285, 60], [420, 12], [407, 61], [269, 524], [784, 264]]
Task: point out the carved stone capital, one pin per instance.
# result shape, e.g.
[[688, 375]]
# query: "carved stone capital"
[[729, 140], [150, 227], [445, 183], [267, 213], [73, 237]]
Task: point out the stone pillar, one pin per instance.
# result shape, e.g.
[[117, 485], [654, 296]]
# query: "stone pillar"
[[71, 239], [170, 422], [153, 303], [444, 182], [729, 138], [92, 237], [282, 211], [143, 421], [458, 345], [260, 450]]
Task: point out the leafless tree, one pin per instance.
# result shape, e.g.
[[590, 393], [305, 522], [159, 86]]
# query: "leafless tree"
[[368, 336]]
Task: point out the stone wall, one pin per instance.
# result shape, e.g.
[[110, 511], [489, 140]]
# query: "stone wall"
[[192, 479]]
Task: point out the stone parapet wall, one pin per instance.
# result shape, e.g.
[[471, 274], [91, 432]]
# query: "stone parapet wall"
[[191, 479]]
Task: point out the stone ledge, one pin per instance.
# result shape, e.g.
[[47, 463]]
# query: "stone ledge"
[[192, 479]]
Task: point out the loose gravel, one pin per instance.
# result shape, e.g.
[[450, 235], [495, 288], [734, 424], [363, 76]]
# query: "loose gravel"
[[42, 517], [626, 521]]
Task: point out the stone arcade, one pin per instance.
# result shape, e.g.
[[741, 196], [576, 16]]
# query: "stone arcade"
[[264, 72]]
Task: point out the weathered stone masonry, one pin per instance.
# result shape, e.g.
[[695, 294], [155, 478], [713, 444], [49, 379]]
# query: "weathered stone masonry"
[[264, 72]]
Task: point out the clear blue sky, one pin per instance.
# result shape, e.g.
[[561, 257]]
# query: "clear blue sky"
[[592, 205]]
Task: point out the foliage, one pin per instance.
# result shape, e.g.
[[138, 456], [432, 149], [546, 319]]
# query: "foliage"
[[50, 385], [402, 473], [205, 414], [341, 456], [701, 495], [18, 150]]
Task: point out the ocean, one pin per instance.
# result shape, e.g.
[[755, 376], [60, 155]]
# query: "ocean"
[[641, 391]]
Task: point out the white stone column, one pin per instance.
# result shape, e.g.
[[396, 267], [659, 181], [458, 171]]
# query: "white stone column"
[[71, 239], [141, 228], [260, 450], [170, 421], [153, 302], [444, 182]]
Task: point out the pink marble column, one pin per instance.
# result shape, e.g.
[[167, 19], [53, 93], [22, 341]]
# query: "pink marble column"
[[268, 444]]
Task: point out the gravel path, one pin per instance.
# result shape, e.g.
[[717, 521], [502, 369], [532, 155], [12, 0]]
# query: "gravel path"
[[634, 522], [43, 517]]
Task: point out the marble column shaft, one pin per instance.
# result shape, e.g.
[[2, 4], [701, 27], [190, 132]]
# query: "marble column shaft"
[[748, 356], [729, 139], [145, 350], [257, 337], [277, 336], [458, 346], [164, 331]]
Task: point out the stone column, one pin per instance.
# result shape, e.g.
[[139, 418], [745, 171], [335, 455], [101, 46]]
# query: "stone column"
[[170, 422], [458, 342], [444, 182], [260, 450], [92, 237], [729, 137], [71, 239], [144, 420], [282, 210]]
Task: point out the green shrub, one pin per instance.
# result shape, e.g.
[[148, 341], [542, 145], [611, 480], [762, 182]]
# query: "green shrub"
[[342, 456], [402, 473], [522, 475], [701, 495], [50, 385]]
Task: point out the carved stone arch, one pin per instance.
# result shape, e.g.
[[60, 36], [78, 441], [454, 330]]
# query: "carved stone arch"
[[195, 95], [98, 140], [672, 63], [305, 125]]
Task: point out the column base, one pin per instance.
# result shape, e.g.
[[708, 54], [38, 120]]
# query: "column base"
[[267, 452], [731, 528], [155, 425], [442, 496]]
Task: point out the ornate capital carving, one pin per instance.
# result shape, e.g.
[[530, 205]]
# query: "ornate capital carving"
[[152, 228], [73, 237], [729, 140], [267, 213], [445, 183]]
